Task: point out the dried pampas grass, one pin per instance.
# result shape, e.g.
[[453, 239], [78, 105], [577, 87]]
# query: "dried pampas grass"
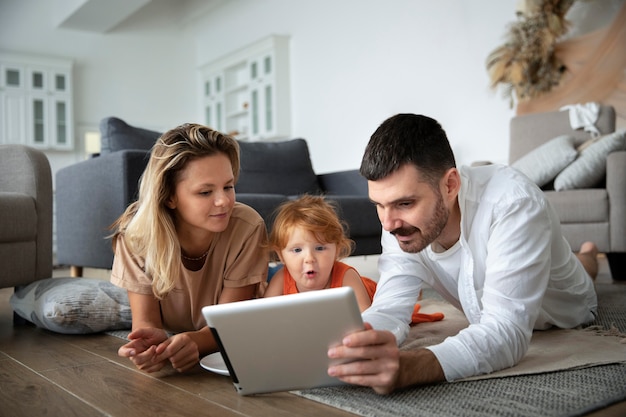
[[525, 66]]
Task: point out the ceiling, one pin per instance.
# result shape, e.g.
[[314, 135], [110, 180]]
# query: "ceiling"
[[102, 16]]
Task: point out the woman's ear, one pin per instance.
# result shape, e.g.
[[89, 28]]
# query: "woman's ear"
[[170, 203]]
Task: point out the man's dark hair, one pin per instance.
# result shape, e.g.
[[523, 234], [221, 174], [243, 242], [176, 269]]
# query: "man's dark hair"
[[408, 138]]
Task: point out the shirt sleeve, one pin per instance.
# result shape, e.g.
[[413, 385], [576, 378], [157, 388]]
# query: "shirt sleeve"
[[517, 270], [128, 271], [247, 253], [397, 291]]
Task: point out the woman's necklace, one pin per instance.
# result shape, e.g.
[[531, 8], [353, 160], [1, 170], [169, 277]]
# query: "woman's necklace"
[[199, 258]]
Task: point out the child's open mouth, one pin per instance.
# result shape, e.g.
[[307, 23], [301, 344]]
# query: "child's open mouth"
[[310, 274]]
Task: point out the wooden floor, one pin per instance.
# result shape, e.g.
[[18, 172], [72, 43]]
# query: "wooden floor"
[[43, 373]]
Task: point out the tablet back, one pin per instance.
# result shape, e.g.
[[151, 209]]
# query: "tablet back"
[[281, 343]]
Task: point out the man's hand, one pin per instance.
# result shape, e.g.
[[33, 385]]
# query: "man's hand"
[[374, 357], [378, 363]]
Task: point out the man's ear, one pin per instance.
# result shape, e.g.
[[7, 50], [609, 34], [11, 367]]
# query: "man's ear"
[[451, 183]]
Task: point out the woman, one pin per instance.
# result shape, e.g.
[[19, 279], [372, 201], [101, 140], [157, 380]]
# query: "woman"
[[185, 244]]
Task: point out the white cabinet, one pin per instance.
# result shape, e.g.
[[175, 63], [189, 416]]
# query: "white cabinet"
[[246, 93], [36, 101]]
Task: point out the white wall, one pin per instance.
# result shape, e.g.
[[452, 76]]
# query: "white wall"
[[142, 72], [353, 64], [357, 62]]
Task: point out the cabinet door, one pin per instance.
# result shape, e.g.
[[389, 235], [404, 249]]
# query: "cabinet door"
[[38, 117], [214, 102], [60, 123], [60, 111], [262, 97], [12, 118], [12, 104], [37, 94]]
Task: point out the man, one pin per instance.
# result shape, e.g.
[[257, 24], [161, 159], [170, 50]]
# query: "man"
[[485, 238]]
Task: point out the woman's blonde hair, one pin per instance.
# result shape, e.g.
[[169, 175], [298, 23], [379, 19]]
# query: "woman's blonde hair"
[[147, 225], [314, 214]]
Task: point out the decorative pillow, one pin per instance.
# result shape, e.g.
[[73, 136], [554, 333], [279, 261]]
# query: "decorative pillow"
[[276, 168], [73, 305], [543, 163], [117, 135], [590, 167]]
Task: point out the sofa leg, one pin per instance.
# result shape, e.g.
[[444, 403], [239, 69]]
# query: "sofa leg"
[[617, 265], [76, 271]]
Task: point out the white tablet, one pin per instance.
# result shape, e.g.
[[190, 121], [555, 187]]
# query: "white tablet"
[[281, 343]]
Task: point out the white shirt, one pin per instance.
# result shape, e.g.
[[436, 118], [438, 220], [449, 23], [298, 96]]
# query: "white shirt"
[[516, 273]]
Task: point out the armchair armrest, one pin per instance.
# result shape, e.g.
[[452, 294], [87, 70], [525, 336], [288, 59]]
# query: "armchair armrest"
[[616, 189], [90, 196], [26, 171]]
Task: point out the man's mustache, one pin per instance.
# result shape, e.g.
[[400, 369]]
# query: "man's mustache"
[[404, 231]]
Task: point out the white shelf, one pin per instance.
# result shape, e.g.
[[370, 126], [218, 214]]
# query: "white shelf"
[[36, 106], [246, 93]]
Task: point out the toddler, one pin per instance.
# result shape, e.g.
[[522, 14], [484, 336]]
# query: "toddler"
[[309, 240]]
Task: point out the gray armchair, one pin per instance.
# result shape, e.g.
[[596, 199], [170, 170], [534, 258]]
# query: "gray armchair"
[[91, 194], [25, 216], [595, 213]]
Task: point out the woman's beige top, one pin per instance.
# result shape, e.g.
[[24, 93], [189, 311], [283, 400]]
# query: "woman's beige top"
[[237, 257]]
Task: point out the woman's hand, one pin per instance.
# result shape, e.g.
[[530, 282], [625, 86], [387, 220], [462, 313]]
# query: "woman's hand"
[[142, 348], [180, 350]]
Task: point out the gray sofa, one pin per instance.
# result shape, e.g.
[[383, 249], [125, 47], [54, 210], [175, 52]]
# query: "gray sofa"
[[26, 216], [91, 194], [596, 212]]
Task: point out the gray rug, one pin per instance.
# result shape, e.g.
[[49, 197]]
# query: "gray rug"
[[562, 393]]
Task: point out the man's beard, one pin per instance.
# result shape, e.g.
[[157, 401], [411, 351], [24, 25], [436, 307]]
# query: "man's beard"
[[427, 235]]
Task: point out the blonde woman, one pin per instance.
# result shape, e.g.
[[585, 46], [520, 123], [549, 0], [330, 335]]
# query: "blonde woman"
[[185, 244]]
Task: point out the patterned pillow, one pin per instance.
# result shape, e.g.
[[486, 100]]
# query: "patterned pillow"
[[543, 163], [73, 305], [590, 167]]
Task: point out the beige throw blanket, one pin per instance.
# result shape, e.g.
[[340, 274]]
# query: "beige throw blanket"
[[550, 350]]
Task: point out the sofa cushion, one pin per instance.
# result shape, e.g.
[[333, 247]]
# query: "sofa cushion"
[[590, 167], [580, 206], [277, 168], [117, 135], [73, 305], [543, 163]]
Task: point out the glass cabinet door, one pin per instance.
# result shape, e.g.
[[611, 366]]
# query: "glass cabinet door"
[[262, 97], [38, 119]]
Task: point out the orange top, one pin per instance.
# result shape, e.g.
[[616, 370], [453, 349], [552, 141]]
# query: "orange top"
[[336, 281]]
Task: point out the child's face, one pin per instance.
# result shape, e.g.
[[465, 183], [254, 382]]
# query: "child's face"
[[308, 261]]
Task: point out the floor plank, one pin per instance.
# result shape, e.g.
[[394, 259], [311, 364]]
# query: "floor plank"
[[23, 392], [123, 392]]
